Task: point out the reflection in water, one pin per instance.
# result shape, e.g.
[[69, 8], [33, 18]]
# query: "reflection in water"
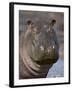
[[57, 69]]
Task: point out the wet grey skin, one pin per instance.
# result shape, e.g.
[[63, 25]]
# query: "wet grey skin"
[[39, 50]]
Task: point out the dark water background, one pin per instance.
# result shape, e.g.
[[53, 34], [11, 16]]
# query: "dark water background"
[[44, 18]]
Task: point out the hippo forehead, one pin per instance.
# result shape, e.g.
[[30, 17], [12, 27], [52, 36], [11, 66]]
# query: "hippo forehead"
[[39, 27], [45, 37]]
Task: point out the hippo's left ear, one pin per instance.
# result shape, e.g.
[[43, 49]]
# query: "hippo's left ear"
[[29, 22], [30, 25]]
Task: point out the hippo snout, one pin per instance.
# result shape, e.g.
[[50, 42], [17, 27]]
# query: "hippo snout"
[[50, 55]]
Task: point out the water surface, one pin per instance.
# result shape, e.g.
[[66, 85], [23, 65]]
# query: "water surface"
[[57, 69]]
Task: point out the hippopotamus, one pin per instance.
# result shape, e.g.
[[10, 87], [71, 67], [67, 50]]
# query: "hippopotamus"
[[38, 50]]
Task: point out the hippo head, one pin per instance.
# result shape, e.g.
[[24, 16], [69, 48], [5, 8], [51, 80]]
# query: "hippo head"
[[41, 44]]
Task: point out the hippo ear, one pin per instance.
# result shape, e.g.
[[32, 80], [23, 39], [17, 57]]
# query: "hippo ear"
[[30, 25], [29, 22], [52, 23]]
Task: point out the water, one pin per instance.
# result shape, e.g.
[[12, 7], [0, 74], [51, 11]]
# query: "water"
[[57, 69]]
